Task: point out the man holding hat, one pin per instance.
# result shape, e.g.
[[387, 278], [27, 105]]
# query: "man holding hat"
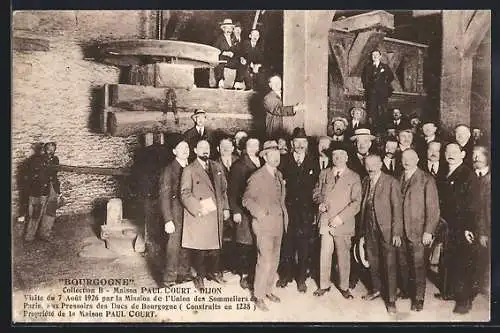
[[197, 132], [300, 173], [177, 265], [269, 221], [339, 125], [338, 194]]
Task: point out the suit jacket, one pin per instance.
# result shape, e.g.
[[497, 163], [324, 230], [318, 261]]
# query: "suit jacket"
[[148, 163], [483, 220], [398, 168], [351, 128], [37, 176], [170, 195], [275, 111], [264, 198], [403, 123], [203, 232], [238, 176], [342, 198], [387, 204], [300, 182], [222, 44], [377, 81], [441, 173], [192, 137], [52, 164], [420, 205], [234, 158], [356, 165], [421, 146], [458, 200], [252, 54], [468, 152]]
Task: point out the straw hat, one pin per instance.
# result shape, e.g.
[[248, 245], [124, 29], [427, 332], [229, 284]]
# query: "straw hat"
[[362, 132], [227, 22]]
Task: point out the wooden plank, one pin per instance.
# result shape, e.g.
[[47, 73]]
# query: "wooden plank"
[[141, 98], [30, 44], [136, 48], [125, 123], [477, 29], [373, 19], [95, 170], [426, 12]]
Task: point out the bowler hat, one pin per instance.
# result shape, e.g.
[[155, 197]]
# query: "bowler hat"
[[268, 145], [337, 145], [174, 139], [362, 132], [360, 253], [299, 133], [198, 112]]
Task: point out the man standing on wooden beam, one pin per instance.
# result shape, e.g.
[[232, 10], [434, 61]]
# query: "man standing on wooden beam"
[[376, 79]]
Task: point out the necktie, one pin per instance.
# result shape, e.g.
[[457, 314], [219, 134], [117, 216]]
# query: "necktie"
[[200, 132], [391, 166], [337, 176], [433, 169], [298, 160], [480, 174], [323, 164], [363, 159]]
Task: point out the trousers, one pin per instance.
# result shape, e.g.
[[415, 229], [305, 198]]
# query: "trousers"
[[41, 215], [268, 255], [412, 267], [205, 262], [341, 245], [177, 258], [295, 254]]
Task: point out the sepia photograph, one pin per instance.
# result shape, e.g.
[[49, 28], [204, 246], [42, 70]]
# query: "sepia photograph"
[[247, 166]]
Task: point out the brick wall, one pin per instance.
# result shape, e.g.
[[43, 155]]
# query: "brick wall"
[[55, 99]]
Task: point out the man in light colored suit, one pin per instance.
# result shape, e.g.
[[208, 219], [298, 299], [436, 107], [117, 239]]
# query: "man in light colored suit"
[[420, 219], [203, 194], [338, 193], [381, 213], [264, 198]]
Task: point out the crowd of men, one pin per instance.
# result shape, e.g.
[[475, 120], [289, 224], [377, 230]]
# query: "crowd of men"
[[287, 204]]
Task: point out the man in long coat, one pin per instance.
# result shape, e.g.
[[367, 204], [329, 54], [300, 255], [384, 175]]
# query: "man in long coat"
[[177, 260], [204, 196], [241, 170], [269, 221], [420, 219], [275, 111]]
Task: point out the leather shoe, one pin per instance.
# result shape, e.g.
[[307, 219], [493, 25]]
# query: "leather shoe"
[[261, 305], [417, 305], [184, 278], [281, 283], [444, 297], [353, 284], [321, 292], [346, 293], [391, 307], [403, 295], [216, 278], [301, 287], [461, 308], [273, 298], [198, 283], [371, 296], [169, 284]]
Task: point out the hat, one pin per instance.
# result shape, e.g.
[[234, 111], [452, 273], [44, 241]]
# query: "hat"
[[360, 253], [337, 145], [198, 112], [174, 139], [362, 132], [428, 120], [299, 133], [268, 145], [341, 119], [227, 21]]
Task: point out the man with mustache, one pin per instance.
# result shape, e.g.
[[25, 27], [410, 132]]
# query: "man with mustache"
[[459, 206], [390, 166], [339, 126]]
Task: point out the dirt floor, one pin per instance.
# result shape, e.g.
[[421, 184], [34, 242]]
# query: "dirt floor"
[[39, 267]]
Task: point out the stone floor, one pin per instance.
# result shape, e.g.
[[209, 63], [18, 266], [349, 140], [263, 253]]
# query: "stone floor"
[[39, 268]]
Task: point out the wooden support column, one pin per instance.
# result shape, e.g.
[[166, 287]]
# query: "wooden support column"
[[305, 67], [460, 27]]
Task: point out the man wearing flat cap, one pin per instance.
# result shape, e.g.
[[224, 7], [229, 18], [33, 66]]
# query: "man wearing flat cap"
[[269, 221], [300, 174], [338, 194], [339, 125], [177, 258], [198, 132]]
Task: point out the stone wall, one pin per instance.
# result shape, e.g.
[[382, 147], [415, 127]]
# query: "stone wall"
[[56, 96], [481, 87]]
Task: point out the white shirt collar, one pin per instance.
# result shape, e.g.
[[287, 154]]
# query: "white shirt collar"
[[338, 137], [430, 138], [255, 160], [377, 63], [182, 163], [484, 171], [338, 170], [202, 129], [397, 121], [203, 163], [431, 163], [454, 167], [403, 148], [228, 39]]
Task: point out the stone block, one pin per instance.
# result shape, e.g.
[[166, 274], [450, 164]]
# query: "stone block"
[[163, 75], [114, 213]]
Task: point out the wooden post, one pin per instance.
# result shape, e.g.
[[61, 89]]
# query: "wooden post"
[[305, 67], [463, 30]]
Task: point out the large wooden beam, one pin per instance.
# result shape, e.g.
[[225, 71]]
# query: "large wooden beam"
[[125, 123], [22, 43], [139, 98], [365, 42], [476, 30], [305, 67], [426, 12], [374, 19], [88, 170]]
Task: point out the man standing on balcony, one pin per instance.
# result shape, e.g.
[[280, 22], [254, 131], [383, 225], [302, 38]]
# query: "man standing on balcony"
[[376, 79]]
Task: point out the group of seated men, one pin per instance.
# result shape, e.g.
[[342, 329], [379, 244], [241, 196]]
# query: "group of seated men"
[[272, 201]]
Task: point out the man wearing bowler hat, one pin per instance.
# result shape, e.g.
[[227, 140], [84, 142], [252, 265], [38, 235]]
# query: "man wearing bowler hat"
[[269, 221], [300, 174], [338, 194], [197, 132]]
